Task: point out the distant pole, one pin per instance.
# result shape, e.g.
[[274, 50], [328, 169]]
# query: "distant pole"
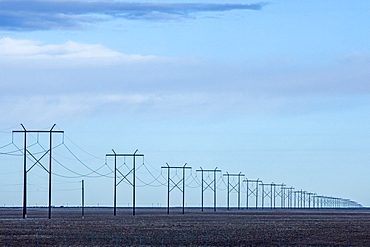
[[25, 174], [228, 192], [168, 190], [50, 158], [115, 184], [214, 188], [301, 198], [273, 193], [247, 202], [183, 188], [263, 195], [271, 185], [282, 192], [291, 196], [202, 188], [257, 192], [83, 200], [133, 183], [239, 191]]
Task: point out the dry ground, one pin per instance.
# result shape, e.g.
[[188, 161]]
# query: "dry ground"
[[153, 227]]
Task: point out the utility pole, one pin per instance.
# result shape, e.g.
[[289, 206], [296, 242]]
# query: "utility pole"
[[309, 198], [277, 193], [175, 184], [36, 162], [266, 194], [132, 182], [296, 199], [83, 199], [209, 185], [235, 187], [290, 196], [252, 191]]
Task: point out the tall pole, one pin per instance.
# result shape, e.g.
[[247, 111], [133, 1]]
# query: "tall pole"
[[115, 184], [25, 174], [263, 194], [257, 193], [168, 190], [282, 200], [202, 187], [50, 158], [301, 198], [83, 200], [272, 184], [228, 192], [134, 180], [214, 190], [183, 189], [239, 191], [247, 202]]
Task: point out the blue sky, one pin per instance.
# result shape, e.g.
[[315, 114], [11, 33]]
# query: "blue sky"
[[278, 90]]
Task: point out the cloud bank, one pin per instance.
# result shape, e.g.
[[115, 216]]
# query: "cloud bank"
[[71, 80], [44, 14]]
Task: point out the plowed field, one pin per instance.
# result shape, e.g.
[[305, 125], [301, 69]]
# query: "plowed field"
[[153, 227]]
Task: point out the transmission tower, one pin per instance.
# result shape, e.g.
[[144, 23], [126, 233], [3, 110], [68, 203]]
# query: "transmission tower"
[[310, 199], [132, 182], [209, 185], [253, 191], [174, 184], [83, 199], [288, 194], [278, 193], [37, 161], [235, 187], [266, 193]]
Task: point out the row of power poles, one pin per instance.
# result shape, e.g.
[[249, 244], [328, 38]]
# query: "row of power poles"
[[255, 189]]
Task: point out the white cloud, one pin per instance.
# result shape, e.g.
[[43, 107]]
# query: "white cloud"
[[29, 49], [71, 80]]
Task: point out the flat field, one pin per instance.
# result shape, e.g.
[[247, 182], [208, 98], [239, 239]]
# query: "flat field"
[[153, 227]]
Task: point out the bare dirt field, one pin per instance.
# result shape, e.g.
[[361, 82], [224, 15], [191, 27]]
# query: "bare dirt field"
[[153, 227]]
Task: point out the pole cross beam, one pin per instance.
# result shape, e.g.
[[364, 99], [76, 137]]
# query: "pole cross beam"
[[38, 161], [125, 177], [174, 184], [233, 187], [209, 185]]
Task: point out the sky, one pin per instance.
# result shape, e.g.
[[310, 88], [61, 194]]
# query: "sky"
[[277, 90]]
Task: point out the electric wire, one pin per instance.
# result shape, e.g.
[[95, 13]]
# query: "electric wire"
[[156, 181], [82, 163], [69, 139]]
